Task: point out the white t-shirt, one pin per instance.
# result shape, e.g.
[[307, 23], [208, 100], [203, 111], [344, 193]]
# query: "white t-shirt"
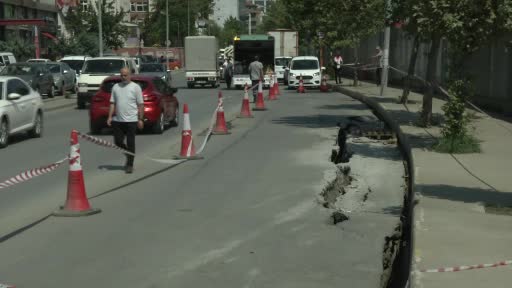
[[126, 97], [338, 60]]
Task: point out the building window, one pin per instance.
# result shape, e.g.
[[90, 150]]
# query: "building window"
[[84, 4], [132, 7]]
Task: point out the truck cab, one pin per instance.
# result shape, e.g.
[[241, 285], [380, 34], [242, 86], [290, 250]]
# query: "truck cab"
[[245, 48]]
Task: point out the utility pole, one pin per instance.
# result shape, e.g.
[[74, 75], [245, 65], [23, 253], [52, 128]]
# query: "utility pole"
[[188, 17], [385, 56], [100, 27], [166, 34]]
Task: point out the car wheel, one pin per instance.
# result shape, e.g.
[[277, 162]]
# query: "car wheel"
[[175, 122], [37, 130], [51, 93], [159, 126], [94, 128], [4, 133]]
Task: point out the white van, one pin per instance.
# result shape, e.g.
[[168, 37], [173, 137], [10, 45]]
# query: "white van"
[[95, 70], [280, 64], [309, 68], [6, 58]]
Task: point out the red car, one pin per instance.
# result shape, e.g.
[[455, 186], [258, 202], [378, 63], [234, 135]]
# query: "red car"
[[160, 105]]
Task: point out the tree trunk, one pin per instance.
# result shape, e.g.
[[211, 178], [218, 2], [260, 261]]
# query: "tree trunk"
[[410, 71], [426, 113], [356, 81]]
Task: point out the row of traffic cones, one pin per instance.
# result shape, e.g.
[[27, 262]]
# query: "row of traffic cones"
[[77, 203]]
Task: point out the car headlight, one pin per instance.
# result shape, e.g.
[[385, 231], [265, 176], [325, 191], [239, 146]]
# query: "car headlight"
[[163, 77], [316, 74], [82, 84]]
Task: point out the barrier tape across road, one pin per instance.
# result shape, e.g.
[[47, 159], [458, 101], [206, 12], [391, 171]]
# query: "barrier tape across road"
[[35, 172], [470, 267]]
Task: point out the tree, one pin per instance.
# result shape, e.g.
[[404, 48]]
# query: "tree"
[[82, 22], [466, 24], [232, 28], [20, 47], [154, 28]]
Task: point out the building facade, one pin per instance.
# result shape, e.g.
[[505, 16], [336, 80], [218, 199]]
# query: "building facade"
[[223, 9], [18, 18]]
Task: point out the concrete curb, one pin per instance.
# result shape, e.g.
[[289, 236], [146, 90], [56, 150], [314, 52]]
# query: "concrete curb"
[[402, 267]]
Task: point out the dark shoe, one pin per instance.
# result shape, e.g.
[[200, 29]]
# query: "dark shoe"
[[128, 170]]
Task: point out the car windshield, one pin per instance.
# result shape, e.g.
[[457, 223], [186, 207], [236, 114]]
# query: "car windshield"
[[103, 66], [74, 64], [107, 86], [282, 61], [18, 70], [54, 68], [304, 64], [151, 68]]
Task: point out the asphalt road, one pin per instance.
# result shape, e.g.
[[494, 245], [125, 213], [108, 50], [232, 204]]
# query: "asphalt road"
[[248, 215]]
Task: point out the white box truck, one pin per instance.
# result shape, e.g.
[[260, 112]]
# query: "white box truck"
[[286, 46], [202, 66]]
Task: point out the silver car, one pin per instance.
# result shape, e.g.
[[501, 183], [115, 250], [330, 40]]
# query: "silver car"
[[156, 69], [21, 109], [64, 78]]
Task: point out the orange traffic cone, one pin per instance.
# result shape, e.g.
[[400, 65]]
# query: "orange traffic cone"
[[77, 203], [276, 86], [301, 89], [220, 124], [245, 112], [188, 151], [260, 103], [323, 85], [271, 90]]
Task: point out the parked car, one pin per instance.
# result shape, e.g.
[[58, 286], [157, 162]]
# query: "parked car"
[[6, 58], [36, 75], [64, 78], [160, 104], [309, 68], [76, 62], [173, 64], [155, 69], [38, 60], [21, 109], [95, 70], [280, 64]]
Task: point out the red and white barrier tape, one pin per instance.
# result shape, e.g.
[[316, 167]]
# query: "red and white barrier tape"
[[32, 173], [470, 267], [103, 143]]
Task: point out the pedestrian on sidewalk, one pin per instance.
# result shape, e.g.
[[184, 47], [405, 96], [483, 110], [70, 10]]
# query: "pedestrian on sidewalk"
[[228, 72], [378, 61], [256, 74], [338, 61], [127, 102]]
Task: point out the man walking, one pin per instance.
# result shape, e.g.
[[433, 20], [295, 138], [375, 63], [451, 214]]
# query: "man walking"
[[256, 73], [338, 61], [378, 59], [127, 102]]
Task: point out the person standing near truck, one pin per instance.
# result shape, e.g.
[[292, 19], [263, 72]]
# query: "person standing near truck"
[[228, 72], [256, 74]]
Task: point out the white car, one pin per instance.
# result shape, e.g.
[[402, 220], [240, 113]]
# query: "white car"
[[95, 70], [21, 109], [309, 68]]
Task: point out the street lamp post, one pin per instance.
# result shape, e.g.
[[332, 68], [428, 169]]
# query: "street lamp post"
[[167, 34], [188, 17], [100, 28]]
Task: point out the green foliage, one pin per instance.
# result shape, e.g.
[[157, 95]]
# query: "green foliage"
[[457, 137], [232, 28], [154, 28], [83, 23], [83, 44], [21, 48]]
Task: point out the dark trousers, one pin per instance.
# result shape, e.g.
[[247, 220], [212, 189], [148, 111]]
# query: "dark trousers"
[[379, 75], [337, 75], [228, 81], [128, 130], [255, 89]]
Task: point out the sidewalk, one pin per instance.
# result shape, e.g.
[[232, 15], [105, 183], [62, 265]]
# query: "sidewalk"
[[456, 220]]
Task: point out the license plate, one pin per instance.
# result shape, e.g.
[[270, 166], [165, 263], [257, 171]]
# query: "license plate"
[[201, 82]]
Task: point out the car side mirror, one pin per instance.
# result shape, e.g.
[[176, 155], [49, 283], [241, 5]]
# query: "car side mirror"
[[65, 72], [168, 70], [13, 96], [284, 67], [323, 68], [40, 74]]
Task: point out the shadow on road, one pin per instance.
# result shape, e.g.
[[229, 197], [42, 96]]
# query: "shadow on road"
[[467, 195]]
